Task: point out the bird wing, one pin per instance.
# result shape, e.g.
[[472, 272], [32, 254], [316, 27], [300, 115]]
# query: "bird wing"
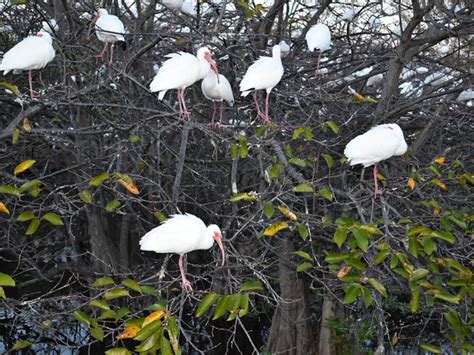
[[180, 71], [112, 24], [225, 90], [375, 145], [31, 53], [179, 234], [264, 73]]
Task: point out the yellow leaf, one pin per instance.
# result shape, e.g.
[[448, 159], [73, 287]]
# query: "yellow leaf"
[[436, 212], [270, 231], [411, 183], [343, 271], [358, 97], [11, 87], [130, 186], [440, 184], [129, 332], [26, 125], [16, 136], [154, 316], [24, 165], [4, 208], [440, 160], [394, 339], [380, 176], [287, 213]]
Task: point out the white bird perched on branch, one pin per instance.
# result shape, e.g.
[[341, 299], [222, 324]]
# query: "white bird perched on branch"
[[109, 29], [318, 37], [379, 143], [33, 52], [182, 234], [216, 87]]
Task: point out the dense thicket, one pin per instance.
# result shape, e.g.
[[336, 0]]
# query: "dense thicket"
[[350, 274]]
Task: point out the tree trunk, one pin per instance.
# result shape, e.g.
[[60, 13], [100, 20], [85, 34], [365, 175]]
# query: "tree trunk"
[[326, 344], [291, 332]]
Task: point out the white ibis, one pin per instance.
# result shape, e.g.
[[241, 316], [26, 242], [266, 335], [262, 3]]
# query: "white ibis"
[[318, 37], [33, 52], [263, 74], [284, 48], [379, 143], [180, 71], [181, 234], [216, 87], [174, 6], [109, 29]]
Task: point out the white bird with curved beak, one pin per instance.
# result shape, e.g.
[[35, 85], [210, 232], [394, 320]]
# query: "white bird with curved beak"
[[33, 52], [109, 29], [180, 71], [216, 87], [181, 234]]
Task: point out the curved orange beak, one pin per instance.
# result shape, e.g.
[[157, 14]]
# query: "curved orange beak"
[[213, 64], [218, 239]]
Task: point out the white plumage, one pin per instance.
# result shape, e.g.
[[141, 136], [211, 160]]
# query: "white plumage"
[[318, 37], [180, 71], [173, 4], [109, 29], [377, 144], [33, 52], [263, 74], [182, 234], [284, 48], [216, 87]]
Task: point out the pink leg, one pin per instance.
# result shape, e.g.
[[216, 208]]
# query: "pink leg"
[[221, 110], [186, 283], [101, 54], [170, 25], [213, 113], [30, 81], [353, 9], [256, 105], [266, 118], [377, 192], [180, 105], [185, 112], [318, 72], [111, 53]]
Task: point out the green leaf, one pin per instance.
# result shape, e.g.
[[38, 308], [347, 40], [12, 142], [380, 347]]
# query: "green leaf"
[[9, 190], [243, 147], [107, 314], [415, 300], [303, 188], [251, 285], [103, 281], [149, 343], [6, 280], [297, 133], [340, 236], [419, 274], [30, 185], [303, 231], [268, 209], [2, 293], [148, 330], [173, 332], [82, 317], [367, 297], [206, 303], [453, 319], [53, 218], [430, 347], [25, 216], [345, 221], [329, 160], [112, 205], [446, 236], [116, 293], [298, 162], [333, 126], [122, 312], [234, 151], [135, 286], [447, 297], [429, 246], [304, 266], [97, 333], [160, 216], [351, 295], [33, 227], [259, 131], [134, 138], [148, 290], [244, 196], [378, 286], [86, 196], [361, 238], [221, 307], [381, 256], [22, 344], [308, 134], [118, 351], [326, 193], [7, 85], [99, 179], [165, 346], [336, 258], [99, 304]]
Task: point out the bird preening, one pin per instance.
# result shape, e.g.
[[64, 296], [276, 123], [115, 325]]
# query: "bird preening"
[[379, 143], [181, 234]]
